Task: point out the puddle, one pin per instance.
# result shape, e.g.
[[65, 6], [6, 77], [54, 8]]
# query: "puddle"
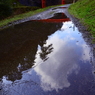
[[57, 18], [44, 58]]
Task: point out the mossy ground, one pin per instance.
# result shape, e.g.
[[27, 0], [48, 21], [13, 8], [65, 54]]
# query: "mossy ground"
[[85, 11]]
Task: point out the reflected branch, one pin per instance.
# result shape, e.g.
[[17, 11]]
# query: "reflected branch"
[[45, 50]]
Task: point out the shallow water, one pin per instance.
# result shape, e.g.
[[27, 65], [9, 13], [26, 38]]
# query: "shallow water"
[[45, 58]]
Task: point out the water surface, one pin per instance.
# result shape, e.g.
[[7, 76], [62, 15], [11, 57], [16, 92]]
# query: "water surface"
[[44, 58]]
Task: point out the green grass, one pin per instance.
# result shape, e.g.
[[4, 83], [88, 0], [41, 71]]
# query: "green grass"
[[85, 11], [22, 16]]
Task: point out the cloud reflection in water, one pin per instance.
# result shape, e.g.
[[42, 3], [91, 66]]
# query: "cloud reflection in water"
[[64, 60], [59, 58]]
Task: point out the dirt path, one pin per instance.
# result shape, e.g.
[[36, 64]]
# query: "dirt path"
[[43, 15]]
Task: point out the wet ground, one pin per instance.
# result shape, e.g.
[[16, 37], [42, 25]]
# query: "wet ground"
[[47, 57]]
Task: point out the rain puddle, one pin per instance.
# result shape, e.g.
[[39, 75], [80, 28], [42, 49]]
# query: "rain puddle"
[[58, 17], [44, 58]]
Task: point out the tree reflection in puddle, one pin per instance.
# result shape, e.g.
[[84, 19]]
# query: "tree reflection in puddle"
[[45, 50]]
